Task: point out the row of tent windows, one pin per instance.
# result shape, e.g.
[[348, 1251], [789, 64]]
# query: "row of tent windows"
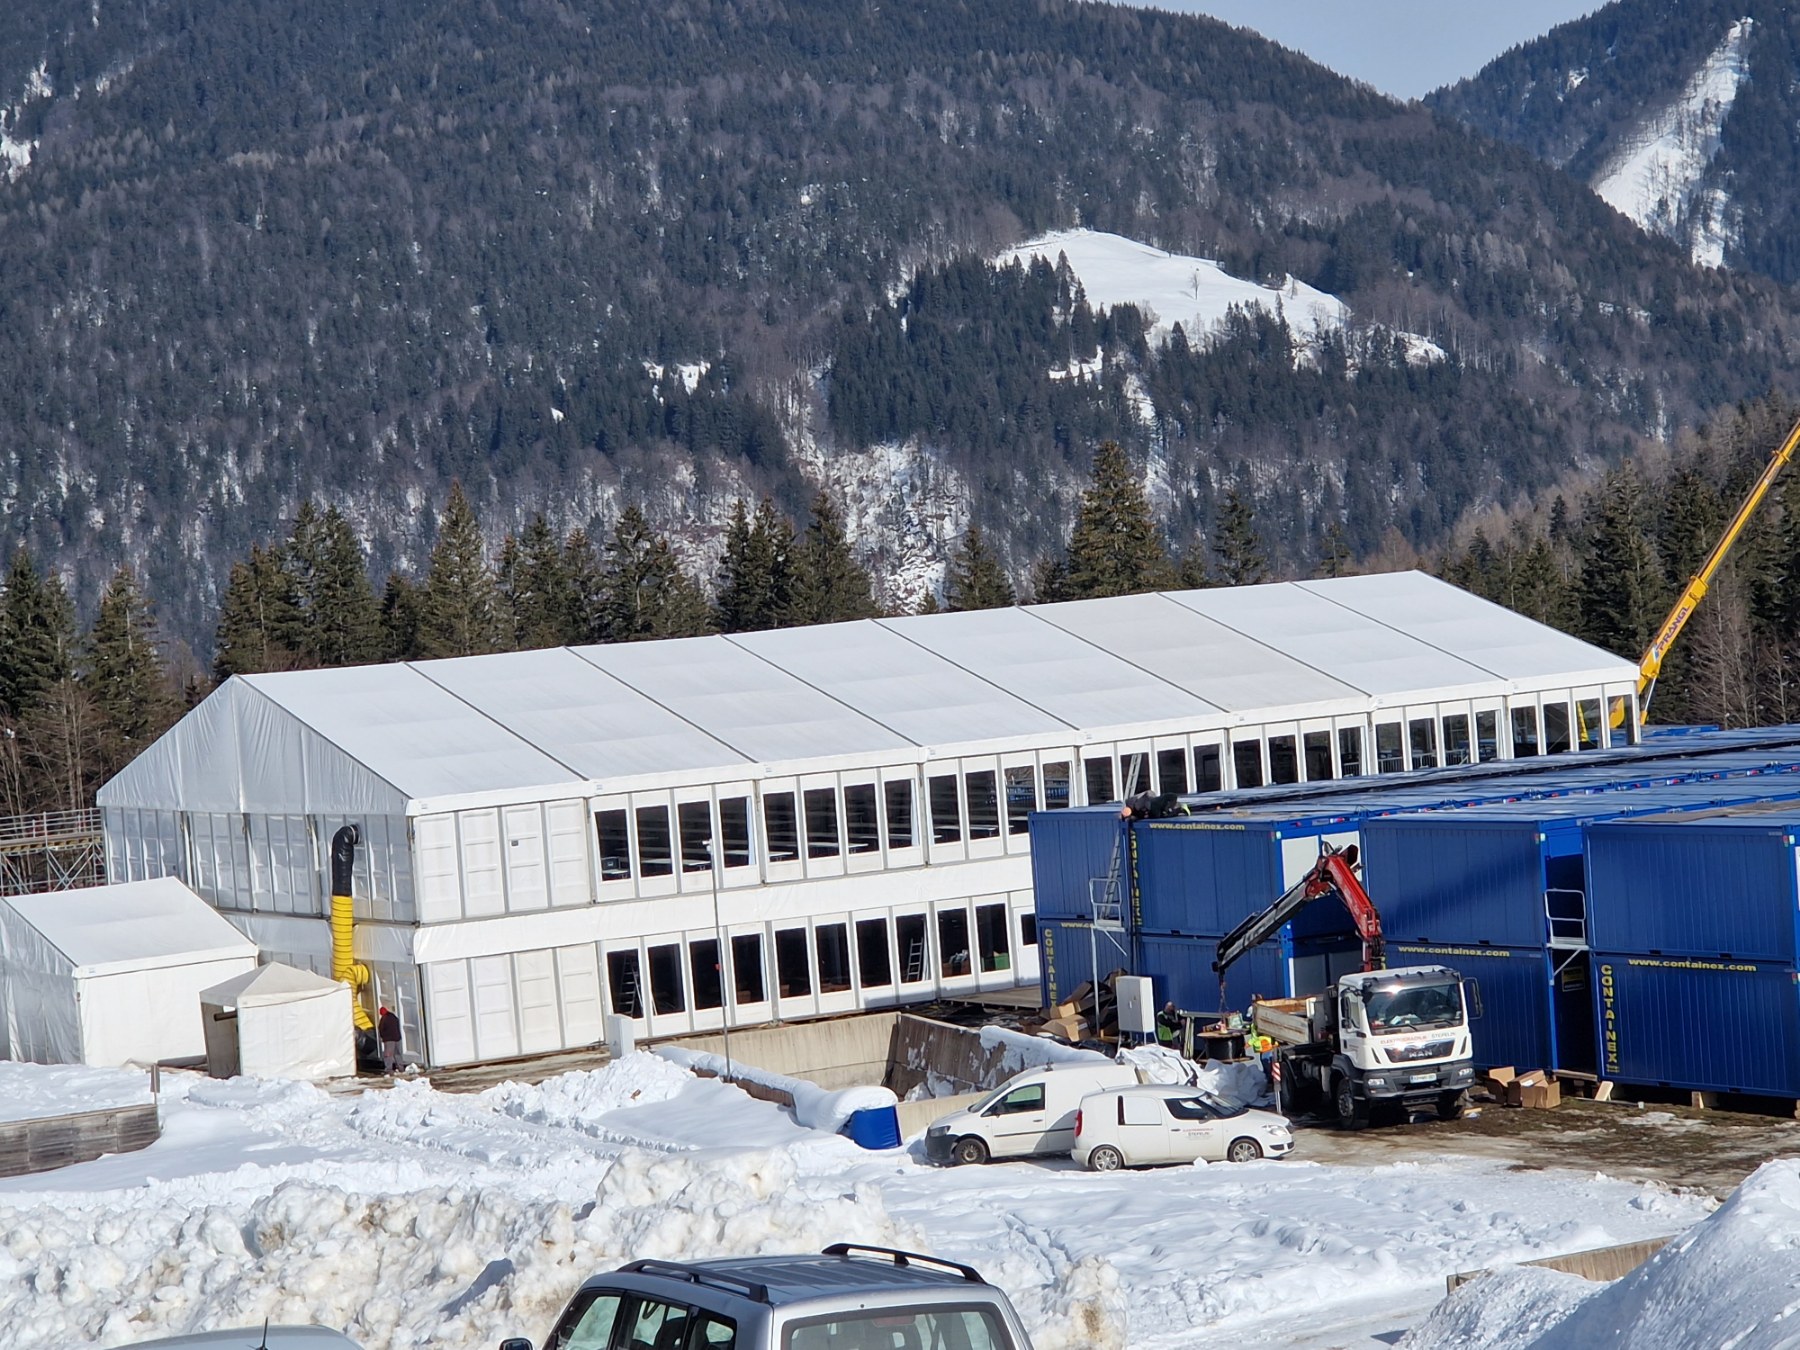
[[825, 964]]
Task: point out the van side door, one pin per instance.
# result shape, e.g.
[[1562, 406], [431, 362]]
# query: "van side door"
[[1143, 1128], [1017, 1122], [1194, 1130]]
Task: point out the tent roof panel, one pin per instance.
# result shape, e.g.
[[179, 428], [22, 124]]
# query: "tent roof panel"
[[134, 925], [273, 983]]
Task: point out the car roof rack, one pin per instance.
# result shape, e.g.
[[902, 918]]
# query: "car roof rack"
[[901, 1258], [754, 1290]]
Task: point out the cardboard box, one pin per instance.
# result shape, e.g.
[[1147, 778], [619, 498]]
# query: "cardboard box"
[[1533, 1084], [1541, 1096], [1071, 1029], [1503, 1075]]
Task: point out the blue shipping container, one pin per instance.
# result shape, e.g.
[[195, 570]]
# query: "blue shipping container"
[[1181, 969], [1715, 885], [1704, 1025], [1070, 852], [1068, 953], [1515, 1025]]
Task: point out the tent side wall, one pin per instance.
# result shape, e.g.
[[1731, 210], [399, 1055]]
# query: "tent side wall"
[[141, 1016], [37, 983], [297, 1037]]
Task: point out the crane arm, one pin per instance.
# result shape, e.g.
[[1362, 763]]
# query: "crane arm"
[[1333, 874]]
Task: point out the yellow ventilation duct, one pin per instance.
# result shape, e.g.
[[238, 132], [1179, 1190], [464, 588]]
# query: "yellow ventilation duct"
[[344, 965]]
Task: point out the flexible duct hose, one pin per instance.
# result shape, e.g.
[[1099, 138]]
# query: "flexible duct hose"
[[344, 965]]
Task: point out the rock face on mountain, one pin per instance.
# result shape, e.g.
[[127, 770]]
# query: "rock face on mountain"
[[583, 256]]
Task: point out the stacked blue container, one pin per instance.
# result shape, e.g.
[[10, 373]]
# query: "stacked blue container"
[[1697, 958]]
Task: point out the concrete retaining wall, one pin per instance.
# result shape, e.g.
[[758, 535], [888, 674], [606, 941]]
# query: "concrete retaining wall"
[[1599, 1263], [943, 1054], [835, 1053], [917, 1117]]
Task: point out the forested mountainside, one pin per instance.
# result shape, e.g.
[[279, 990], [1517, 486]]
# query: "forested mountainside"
[[581, 256], [1679, 112]]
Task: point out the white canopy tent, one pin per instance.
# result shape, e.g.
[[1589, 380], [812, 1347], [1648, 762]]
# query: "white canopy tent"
[[278, 1022], [111, 975]]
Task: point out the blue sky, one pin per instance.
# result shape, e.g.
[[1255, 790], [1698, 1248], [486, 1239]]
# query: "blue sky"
[[1403, 47]]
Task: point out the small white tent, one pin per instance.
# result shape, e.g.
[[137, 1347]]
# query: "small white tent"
[[111, 975], [278, 1022]]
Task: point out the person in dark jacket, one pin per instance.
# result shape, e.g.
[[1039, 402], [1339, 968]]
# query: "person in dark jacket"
[[388, 1027]]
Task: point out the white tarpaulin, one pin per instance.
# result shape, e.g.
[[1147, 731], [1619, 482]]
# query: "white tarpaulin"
[[278, 1022], [111, 975]]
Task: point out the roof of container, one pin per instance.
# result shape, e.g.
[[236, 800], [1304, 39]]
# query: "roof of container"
[[134, 925], [1760, 816], [1710, 795], [568, 719]]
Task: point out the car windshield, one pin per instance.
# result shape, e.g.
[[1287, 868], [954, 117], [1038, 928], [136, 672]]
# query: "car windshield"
[[1411, 1006], [1202, 1106]]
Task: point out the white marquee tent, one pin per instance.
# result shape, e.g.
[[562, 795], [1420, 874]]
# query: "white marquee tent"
[[278, 1022], [111, 975]]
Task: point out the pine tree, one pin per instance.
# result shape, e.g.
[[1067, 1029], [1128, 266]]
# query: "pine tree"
[[1049, 581], [1335, 557], [260, 623], [756, 575], [122, 670], [645, 592], [343, 619], [461, 610], [830, 586], [401, 602], [1619, 592], [586, 580], [1237, 546], [975, 579], [1115, 549], [37, 636], [535, 581]]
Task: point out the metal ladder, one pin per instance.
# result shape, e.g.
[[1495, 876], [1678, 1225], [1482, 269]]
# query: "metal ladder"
[[915, 960], [627, 998]]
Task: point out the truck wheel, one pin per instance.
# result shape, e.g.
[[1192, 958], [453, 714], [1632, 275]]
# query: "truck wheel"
[[1450, 1105], [1106, 1158], [970, 1150], [1243, 1150], [1351, 1114]]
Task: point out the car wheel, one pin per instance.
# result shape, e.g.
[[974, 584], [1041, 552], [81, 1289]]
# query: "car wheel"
[[1243, 1150], [970, 1150], [1105, 1159], [1450, 1105], [1351, 1114]]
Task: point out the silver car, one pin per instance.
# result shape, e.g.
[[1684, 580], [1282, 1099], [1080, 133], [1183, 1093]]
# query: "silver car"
[[848, 1297]]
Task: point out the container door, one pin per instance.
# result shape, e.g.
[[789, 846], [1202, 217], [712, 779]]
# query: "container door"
[[496, 1029], [1572, 1012], [540, 1014], [527, 878]]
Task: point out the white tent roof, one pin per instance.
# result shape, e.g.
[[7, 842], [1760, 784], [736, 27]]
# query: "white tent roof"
[[426, 736], [136, 925], [273, 983]]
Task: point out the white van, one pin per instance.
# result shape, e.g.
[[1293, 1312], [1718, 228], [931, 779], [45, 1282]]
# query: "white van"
[[1031, 1114], [1150, 1126]]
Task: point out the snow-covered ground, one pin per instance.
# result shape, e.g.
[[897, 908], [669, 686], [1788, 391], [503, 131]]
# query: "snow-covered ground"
[[413, 1217]]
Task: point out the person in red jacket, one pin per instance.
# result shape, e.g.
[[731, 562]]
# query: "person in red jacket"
[[388, 1027]]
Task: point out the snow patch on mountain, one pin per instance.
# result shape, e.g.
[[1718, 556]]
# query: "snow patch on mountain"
[[1656, 178]]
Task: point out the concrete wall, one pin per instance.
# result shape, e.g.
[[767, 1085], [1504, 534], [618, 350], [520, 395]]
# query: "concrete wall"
[[1599, 1263], [948, 1055], [837, 1052], [917, 1117]]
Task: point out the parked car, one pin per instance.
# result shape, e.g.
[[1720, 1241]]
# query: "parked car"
[[849, 1297], [1030, 1114], [1144, 1126], [254, 1338]]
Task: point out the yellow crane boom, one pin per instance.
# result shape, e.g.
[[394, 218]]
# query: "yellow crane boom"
[[1650, 665]]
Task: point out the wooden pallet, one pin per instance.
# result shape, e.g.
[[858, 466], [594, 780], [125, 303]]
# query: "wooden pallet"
[[49, 1142]]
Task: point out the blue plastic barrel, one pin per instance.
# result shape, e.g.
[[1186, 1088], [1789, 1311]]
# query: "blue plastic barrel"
[[874, 1127]]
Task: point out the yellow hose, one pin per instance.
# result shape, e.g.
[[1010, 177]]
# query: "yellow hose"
[[344, 965]]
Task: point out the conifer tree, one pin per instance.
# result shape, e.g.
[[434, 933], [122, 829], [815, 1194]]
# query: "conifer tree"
[[1115, 549], [756, 575], [1049, 581], [122, 670], [400, 608], [1236, 544], [461, 610], [975, 579], [260, 623], [1620, 589], [586, 581], [535, 581], [37, 636], [645, 592], [830, 586], [343, 619]]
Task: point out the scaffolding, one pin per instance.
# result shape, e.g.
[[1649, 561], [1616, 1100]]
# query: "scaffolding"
[[55, 851]]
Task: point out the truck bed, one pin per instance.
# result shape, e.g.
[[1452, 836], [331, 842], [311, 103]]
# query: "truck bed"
[[1288, 1021]]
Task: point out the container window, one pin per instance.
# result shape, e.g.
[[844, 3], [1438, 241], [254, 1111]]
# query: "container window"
[[1171, 771], [1390, 753], [984, 805], [1316, 745], [1525, 733], [900, 814], [1056, 785], [990, 937], [1021, 799], [1456, 739], [624, 984], [1556, 728], [1284, 764], [615, 845], [909, 941], [703, 965], [747, 968], [1424, 742], [793, 974], [694, 821], [873, 967], [1588, 723], [734, 827], [953, 941], [781, 827], [1209, 775], [1487, 736], [861, 828], [821, 823], [1350, 761], [946, 828], [832, 942], [1099, 776], [1246, 758], [654, 857], [1028, 930], [1134, 773], [665, 979]]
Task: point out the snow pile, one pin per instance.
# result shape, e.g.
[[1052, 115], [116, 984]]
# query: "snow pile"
[[815, 1107], [575, 1099], [1506, 1310], [29, 1091], [1655, 180], [1020, 1052]]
